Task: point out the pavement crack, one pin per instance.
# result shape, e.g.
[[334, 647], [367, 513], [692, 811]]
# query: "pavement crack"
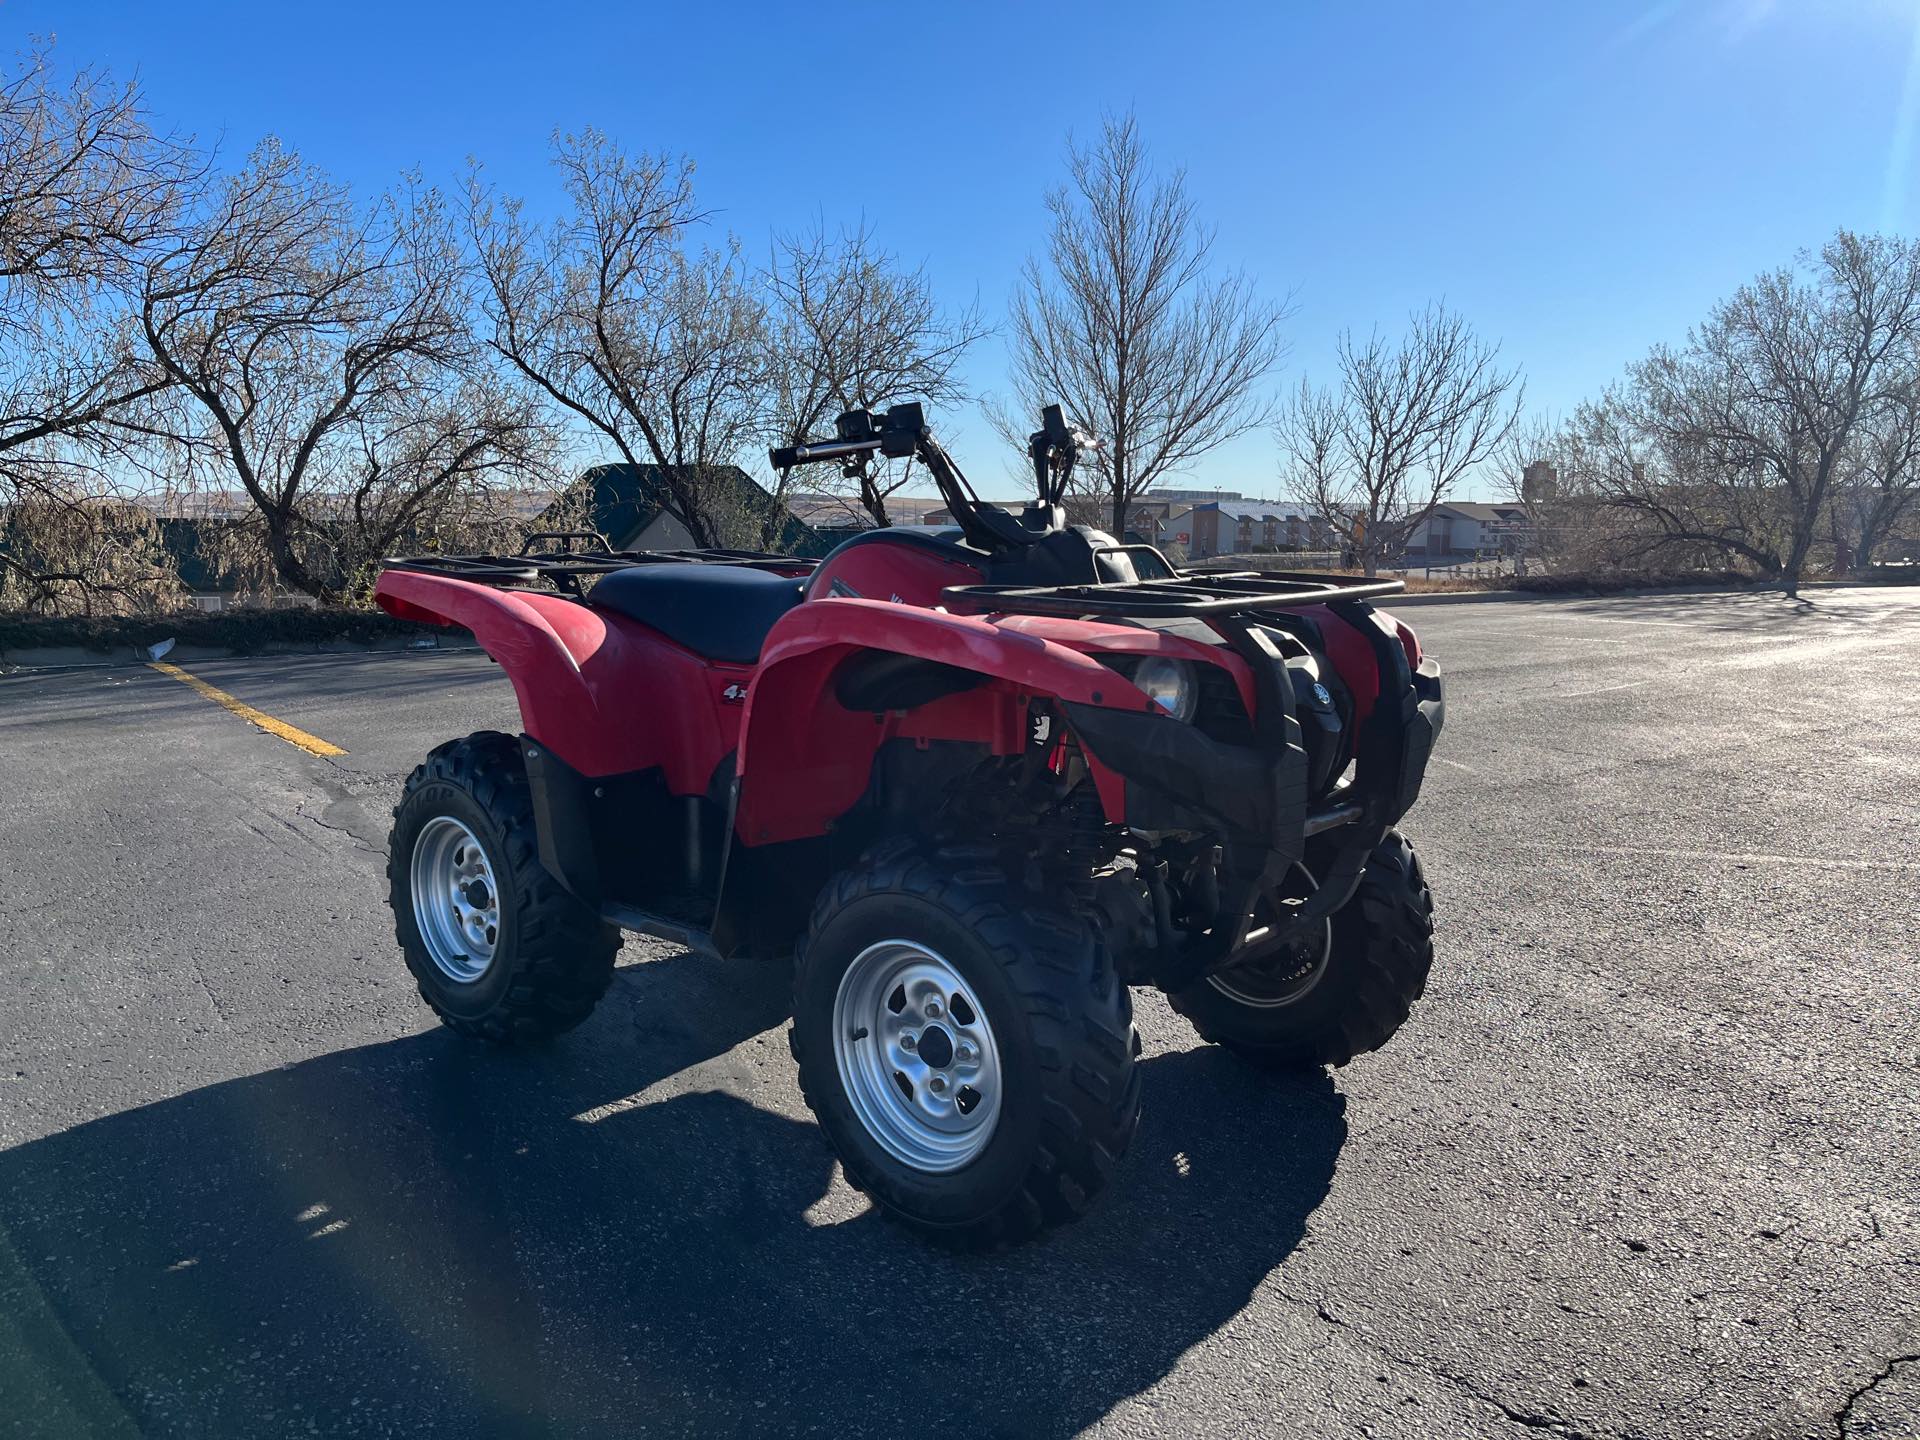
[[213, 1000], [1843, 1417], [340, 829], [1528, 1419], [360, 841]]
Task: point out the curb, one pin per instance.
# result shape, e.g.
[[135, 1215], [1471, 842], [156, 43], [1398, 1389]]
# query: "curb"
[[1470, 597], [52, 658]]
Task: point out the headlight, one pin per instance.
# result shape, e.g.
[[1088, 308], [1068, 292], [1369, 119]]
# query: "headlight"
[[1169, 684]]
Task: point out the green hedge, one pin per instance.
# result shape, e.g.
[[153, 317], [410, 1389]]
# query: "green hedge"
[[240, 630]]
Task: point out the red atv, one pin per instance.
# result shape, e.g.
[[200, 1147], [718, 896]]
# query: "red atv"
[[977, 786]]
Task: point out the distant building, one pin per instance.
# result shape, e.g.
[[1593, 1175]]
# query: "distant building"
[[1190, 496], [942, 515], [1461, 529], [1154, 518], [845, 512], [631, 506], [1539, 482], [193, 545], [1240, 527]]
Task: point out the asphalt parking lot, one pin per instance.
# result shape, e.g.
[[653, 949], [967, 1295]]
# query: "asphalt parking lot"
[[1643, 1163]]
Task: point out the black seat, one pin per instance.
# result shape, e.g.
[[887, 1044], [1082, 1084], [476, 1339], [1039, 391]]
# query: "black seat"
[[720, 611]]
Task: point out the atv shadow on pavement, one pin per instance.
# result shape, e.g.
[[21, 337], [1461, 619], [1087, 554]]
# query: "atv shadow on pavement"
[[421, 1237]]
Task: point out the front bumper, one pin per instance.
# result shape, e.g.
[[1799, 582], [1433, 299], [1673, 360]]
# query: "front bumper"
[[1256, 796], [1423, 713]]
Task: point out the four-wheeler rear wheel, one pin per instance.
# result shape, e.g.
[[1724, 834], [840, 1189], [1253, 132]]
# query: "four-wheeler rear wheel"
[[967, 1048], [499, 949], [1343, 993]]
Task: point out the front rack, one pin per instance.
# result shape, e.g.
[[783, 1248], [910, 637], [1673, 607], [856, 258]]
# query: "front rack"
[[565, 568], [1188, 593]]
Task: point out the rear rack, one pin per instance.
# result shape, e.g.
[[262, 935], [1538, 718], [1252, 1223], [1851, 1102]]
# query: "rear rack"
[[565, 568], [1188, 593]]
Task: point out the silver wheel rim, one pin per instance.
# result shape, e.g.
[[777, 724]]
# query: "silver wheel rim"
[[1268, 982], [456, 903], [916, 1056], [1282, 990]]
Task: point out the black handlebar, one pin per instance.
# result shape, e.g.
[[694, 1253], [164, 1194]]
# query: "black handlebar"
[[901, 433], [1054, 448], [785, 457], [898, 434]]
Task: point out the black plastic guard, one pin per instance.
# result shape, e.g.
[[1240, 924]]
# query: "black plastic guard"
[[1426, 716], [1178, 779], [563, 817], [1397, 742]]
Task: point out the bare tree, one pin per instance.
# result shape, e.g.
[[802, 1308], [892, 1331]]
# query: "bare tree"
[[852, 328], [87, 187], [704, 365], [1125, 326], [603, 312], [1602, 494], [1408, 421], [326, 356], [1879, 486], [1771, 402], [1531, 467], [97, 555]]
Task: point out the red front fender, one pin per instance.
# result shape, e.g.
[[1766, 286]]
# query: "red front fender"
[[804, 760]]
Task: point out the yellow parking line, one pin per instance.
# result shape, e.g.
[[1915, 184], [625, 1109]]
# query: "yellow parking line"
[[312, 744]]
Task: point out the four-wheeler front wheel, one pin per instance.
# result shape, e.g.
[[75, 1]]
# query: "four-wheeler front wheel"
[[916, 1058], [967, 1048], [1342, 992], [499, 949]]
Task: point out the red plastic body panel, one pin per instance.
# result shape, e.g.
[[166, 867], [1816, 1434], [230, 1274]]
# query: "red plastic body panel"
[[1352, 656], [903, 572], [604, 693], [609, 695], [1132, 640], [804, 760]]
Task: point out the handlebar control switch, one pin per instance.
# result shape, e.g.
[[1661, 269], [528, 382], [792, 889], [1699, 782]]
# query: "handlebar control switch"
[[902, 431]]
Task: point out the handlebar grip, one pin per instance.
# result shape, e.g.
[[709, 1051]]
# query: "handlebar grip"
[[785, 457]]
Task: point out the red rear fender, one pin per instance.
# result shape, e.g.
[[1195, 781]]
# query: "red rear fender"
[[604, 693]]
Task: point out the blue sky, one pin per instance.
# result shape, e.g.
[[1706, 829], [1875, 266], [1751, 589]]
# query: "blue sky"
[[1581, 180]]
